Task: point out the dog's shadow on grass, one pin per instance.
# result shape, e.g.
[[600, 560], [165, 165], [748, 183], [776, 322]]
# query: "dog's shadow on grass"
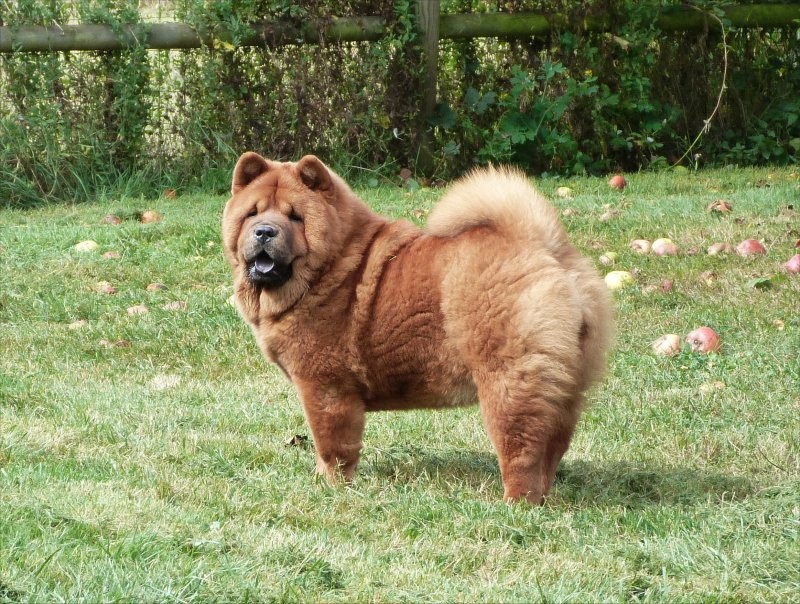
[[577, 482], [639, 484]]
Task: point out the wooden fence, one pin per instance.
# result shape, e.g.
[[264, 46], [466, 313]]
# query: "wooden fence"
[[434, 26], [35, 38]]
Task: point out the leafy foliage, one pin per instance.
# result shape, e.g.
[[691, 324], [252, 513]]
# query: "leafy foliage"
[[75, 126], [576, 101]]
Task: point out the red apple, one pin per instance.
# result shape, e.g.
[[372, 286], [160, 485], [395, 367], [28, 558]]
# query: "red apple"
[[617, 182], [750, 247], [793, 264], [703, 340]]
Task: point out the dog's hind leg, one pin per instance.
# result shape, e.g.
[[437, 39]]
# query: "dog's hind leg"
[[530, 427], [556, 447]]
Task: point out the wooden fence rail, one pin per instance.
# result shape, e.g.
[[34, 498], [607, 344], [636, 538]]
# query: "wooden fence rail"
[[35, 38]]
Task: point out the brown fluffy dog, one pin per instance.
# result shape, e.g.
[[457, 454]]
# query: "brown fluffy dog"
[[489, 304]]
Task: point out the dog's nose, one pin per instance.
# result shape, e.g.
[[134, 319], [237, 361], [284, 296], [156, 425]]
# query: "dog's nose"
[[265, 232]]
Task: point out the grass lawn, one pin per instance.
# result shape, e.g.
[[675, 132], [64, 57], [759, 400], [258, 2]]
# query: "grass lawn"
[[152, 457]]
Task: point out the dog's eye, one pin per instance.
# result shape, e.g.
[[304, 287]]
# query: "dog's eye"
[[253, 211], [295, 217]]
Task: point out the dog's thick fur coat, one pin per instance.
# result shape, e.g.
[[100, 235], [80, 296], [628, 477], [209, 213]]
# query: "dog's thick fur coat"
[[489, 304]]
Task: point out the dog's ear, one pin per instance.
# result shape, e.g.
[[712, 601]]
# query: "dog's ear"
[[249, 167], [314, 173]]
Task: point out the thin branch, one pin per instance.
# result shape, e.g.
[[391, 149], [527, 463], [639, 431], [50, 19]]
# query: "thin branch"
[[707, 122]]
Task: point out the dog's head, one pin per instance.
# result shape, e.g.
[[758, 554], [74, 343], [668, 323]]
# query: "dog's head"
[[280, 227]]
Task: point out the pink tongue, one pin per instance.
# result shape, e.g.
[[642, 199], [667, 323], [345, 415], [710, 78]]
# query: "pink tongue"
[[264, 265]]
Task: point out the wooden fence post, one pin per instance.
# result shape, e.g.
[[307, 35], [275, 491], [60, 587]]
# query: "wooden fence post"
[[428, 15]]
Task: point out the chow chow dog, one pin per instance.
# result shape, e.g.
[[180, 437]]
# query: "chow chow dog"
[[488, 304]]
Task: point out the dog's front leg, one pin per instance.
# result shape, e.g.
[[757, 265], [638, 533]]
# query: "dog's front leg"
[[336, 419]]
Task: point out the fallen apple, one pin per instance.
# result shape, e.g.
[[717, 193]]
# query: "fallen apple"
[[617, 182], [564, 192], [104, 287], [619, 279], [112, 219], [608, 258], [703, 340], [720, 206], [750, 247], [664, 247], [641, 246], [86, 246], [793, 264], [138, 309], [715, 249], [667, 345], [150, 216]]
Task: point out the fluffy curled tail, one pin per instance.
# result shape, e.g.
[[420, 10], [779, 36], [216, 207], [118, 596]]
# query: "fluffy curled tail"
[[502, 198]]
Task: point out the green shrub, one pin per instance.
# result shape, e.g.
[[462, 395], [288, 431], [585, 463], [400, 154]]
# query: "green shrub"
[[82, 125]]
